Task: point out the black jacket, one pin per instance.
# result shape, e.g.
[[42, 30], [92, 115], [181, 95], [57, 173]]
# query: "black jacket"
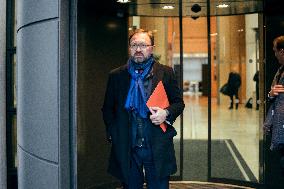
[[116, 119], [234, 83]]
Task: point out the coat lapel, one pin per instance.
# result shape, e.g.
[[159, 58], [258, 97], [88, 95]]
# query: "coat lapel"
[[157, 75], [125, 82]]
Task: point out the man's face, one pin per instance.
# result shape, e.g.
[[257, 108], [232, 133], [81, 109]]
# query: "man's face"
[[279, 54], [140, 47]]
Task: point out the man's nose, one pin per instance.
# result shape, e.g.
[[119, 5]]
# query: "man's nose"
[[138, 47]]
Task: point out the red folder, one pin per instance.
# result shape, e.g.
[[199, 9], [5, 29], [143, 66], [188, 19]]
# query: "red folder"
[[159, 99]]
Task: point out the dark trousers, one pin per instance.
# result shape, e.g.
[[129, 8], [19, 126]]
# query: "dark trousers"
[[143, 158], [257, 97], [232, 100]]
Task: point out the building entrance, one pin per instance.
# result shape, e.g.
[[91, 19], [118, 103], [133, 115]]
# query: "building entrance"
[[214, 143]]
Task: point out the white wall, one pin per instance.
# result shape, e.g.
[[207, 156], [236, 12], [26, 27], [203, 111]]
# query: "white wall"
[[251, 21], [192, 65]]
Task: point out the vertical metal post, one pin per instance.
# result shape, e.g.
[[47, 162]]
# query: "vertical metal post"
[[181, 85], [73, 93], [10, 109], [209, 90]]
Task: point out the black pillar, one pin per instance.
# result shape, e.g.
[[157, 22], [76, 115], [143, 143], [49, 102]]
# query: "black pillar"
[[102, 46]]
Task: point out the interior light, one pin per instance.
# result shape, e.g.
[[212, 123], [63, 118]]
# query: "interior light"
[[123, 1], [222, 6], [112, 25], [168, 7], [213, 34]]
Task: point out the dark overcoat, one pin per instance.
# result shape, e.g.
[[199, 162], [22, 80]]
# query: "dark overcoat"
[[234, 83], [116, 119]]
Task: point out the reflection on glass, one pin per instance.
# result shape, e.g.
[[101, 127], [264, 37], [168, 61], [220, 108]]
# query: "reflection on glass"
[[235, 126], [173, 48], [14, 81], [14, 142], [195, 91]]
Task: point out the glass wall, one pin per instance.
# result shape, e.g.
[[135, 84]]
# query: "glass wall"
[[235, 149], [213, 141], [195, 93], [233, 152]]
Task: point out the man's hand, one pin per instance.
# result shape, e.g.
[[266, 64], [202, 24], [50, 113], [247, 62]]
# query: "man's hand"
[[275, 90], [158, 116]]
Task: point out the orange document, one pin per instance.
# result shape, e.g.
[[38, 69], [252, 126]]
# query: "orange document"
[[159, 99]]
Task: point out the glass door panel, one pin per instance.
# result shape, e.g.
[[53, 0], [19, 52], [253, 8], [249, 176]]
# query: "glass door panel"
[[233, 151], [173, 50], [235, 116], [195, 92]]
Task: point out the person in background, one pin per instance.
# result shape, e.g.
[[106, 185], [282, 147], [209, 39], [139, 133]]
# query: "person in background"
[[276, 98], [140, 149], [256, 79], [234, 83]]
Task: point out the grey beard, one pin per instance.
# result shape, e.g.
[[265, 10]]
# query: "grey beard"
[[135, 60]]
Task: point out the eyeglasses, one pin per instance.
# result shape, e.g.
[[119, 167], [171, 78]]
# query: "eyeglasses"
[[141, 46]]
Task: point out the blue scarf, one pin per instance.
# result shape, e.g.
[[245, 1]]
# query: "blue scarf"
[[136, 99]]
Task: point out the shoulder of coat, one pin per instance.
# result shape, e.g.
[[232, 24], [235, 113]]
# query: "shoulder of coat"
[[119, 70], [162, 66]]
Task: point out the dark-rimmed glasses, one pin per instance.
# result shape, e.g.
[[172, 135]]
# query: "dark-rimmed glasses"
[[141, 46]]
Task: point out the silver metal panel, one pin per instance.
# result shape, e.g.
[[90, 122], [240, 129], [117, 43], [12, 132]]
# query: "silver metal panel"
[[38, 109], [30, 11], [34, 173], [3, 165]]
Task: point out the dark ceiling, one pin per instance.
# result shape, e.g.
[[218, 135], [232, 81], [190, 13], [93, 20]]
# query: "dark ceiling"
[[154, 7]]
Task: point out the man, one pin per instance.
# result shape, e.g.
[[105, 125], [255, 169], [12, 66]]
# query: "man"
[[256, 79], [138, 142], [275, 118]]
